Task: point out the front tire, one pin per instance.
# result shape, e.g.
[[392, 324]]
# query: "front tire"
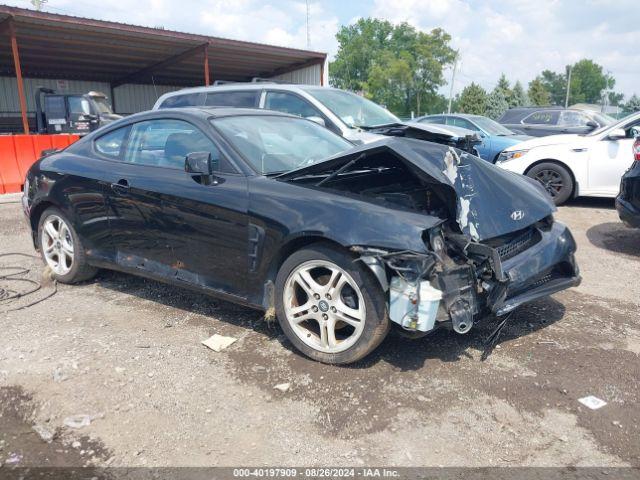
[[556, 180], [331, 308], [61, 248]]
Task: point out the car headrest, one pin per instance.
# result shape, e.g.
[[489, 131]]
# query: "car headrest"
[[178, 145]]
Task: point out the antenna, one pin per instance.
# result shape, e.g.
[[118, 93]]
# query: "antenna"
[[308, 32]]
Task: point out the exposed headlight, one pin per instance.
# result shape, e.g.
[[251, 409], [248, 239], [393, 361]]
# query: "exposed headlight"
[[511, 155]]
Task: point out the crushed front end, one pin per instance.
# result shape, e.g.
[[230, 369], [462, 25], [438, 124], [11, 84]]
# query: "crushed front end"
[[457, 282]]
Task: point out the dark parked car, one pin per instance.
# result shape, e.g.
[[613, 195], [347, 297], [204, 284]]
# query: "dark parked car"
[[278, 213], [543, 121], [628, 201]]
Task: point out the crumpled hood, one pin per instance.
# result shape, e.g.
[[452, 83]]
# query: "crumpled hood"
[[570, 140], [490, 201]]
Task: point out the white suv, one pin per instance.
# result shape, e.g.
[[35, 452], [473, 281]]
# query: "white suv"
[[342, 112], [345, 113]]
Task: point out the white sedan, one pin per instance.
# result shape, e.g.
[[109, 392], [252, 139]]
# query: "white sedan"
[[568, 166]]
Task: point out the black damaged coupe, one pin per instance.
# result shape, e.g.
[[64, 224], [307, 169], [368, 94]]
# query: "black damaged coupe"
[[275, 212]]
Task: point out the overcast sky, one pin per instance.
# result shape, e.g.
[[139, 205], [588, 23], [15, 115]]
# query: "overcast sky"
[[517, 37]]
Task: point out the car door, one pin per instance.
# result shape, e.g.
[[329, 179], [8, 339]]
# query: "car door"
[[609, 158], [483, 148], [169, 224], [540, 123], [86, 188]]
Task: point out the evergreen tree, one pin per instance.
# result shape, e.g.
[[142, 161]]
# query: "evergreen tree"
[[518, 96], [633, 104], [538, 94], [473, 99], [503, 84], [496, 103]]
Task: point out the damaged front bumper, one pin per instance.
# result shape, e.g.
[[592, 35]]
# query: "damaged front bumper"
[[545, 268], [492, 278]]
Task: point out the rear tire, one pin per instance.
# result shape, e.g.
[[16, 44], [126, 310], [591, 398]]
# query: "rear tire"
[[61, 248], [331, 308], [555, 178]]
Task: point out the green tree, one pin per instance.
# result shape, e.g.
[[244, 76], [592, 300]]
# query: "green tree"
[[496, 103], [359, 46], [555, 84], [503, 84], [518, 97], [632, 105], [588, 81], [395, 65], [538, 95], [615, 98], [473, 99]]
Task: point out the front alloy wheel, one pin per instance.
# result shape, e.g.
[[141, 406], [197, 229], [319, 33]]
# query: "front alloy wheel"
[[324, 306], [329, 306]]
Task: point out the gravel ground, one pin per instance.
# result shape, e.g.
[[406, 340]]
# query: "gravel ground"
[[126, 352]]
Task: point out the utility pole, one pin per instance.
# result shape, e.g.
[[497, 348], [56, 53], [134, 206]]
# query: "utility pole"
[[453, 78], [566, 100], [308, 31]]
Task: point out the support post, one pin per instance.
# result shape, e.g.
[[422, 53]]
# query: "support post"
[[206, 65], [19, 81], [322, 72]]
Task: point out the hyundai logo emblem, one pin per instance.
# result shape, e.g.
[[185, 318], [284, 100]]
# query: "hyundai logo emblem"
[[517, 215]]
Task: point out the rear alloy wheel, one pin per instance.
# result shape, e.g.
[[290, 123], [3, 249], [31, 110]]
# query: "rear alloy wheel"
[[61, 248], [555, 179], [330, 308]]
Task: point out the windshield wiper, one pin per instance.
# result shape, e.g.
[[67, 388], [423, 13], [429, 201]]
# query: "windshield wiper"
[[340, 170]]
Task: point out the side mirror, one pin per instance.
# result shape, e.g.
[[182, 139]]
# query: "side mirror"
[[617, 134], [318, 120], [592, 124], [200, 163]]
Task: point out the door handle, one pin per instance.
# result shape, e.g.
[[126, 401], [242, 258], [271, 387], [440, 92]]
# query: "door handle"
[[121, 187]]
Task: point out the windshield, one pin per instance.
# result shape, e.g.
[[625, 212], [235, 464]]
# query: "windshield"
[[102, 105], [491, 127], [354, 110], [603, 119], [611, 126], [274, 144]]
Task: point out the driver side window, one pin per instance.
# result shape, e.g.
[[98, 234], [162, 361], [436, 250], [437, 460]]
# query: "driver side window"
[[167, 142]]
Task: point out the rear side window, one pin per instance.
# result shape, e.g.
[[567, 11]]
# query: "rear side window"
[[184, 100], [461, 122], [111, 144], [438, 120], [289, 103], [241, 99], [542, 117]]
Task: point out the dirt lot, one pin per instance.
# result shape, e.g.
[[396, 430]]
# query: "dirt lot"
[[127, 352]]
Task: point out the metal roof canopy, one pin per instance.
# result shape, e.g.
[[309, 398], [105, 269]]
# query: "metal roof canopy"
[[62, 46]]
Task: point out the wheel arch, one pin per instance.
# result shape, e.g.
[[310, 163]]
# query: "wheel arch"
[[574, 191], [293, 245], [34, 218]]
